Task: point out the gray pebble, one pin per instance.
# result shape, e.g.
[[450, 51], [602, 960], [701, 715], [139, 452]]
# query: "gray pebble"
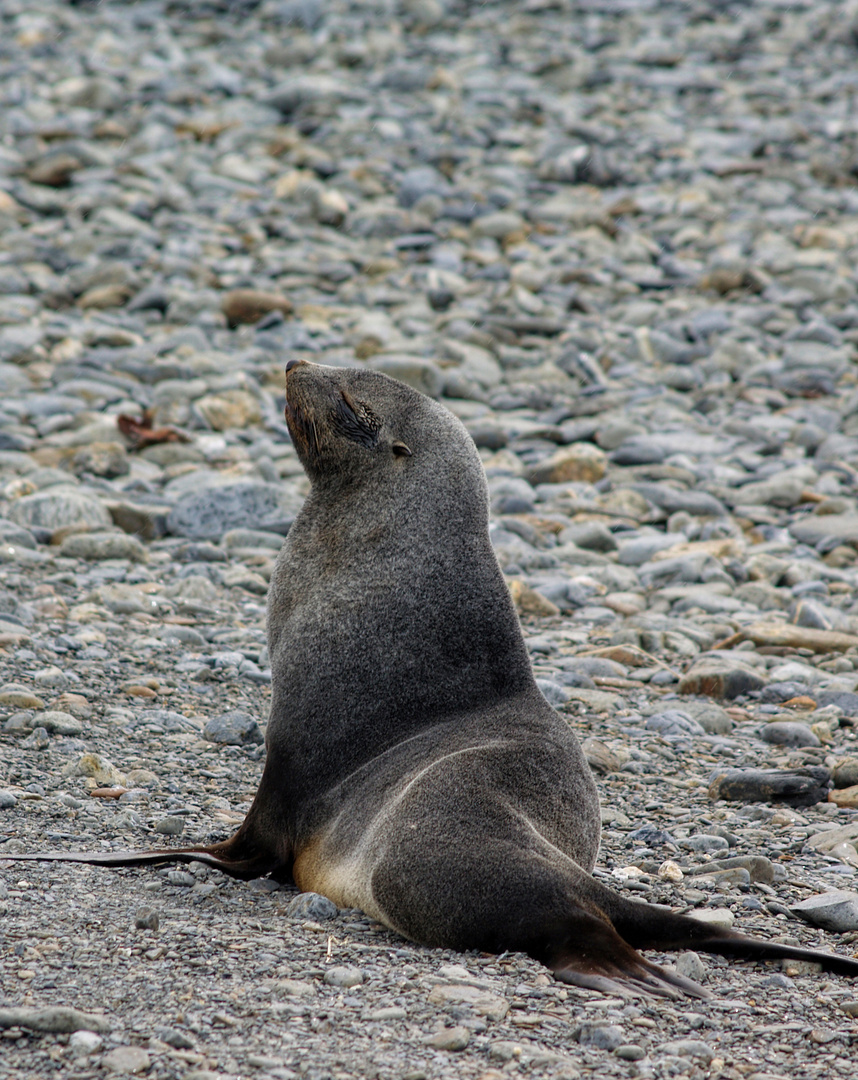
[[208, 514], [311, 905], [344, 976], [170, 826], [601, 1036], [787, 733], [233, 729], [836, 911], [673, 722], [146, 918]]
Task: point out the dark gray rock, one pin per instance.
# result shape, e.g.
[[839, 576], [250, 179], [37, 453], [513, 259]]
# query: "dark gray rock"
[[651, 836], [310, 905], [776, 692], [835, 911], [601, 1036], [674, 722], [233, 729], [720, 676], [792, 787], [208, 514], [846, 700], [788, 733]]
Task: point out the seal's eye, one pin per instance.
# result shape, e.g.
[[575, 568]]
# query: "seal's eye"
[[400, 449], [356, 421]]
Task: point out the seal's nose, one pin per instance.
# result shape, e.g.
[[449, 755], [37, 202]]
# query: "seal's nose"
[[291, 364]]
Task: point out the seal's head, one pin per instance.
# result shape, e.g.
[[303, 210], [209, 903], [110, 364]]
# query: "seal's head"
[[348, 425]]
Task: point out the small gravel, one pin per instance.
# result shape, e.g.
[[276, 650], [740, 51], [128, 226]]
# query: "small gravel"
[[618, 239]]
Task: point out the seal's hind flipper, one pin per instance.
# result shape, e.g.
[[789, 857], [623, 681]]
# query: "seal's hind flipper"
[[239, 868], [650, 926], [666, 984], [589, 953]]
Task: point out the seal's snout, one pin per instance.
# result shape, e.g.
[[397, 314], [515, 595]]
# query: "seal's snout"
[[293, 364]]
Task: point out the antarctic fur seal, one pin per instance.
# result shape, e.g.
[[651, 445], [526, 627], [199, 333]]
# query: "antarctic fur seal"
[[414, 770]]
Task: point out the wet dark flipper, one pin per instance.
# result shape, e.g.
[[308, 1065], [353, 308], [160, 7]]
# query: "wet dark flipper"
[[259, 847], [589, 953]]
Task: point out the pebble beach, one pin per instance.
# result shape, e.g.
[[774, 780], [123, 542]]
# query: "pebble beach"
[[618, 239]]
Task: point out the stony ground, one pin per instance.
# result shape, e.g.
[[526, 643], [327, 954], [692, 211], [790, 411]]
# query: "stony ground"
[[618, 238]]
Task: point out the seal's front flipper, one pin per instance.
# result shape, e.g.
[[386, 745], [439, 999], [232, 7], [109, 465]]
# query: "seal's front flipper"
[[589, 953]]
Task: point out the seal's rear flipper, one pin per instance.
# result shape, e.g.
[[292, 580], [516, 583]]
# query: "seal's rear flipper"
[[589, 953], [650, 926], [260, 846], [239, 868]]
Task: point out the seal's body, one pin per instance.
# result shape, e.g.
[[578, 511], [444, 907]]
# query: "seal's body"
[[414, 770]]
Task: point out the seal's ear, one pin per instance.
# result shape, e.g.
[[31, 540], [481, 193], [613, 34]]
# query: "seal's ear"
[[401, 450]]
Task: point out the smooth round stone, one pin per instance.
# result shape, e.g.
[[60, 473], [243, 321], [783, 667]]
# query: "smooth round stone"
[[722, 917], [630, 1052], [846, 700], [10, 533], [130, 1060], [85, 1043], [641, 550], [422, 375], [498, 225], [170, 825], [579, 462], [416, 183], [454, 1038], [343, 976], [101, 545], [690, 966], [776, 692], [704, 843], [711, 717], [388, 1012], [639, 450], [60, 723], [19, 697], [828, 527], [787, 733], [651, 836], [846, 773], [591, 535], [53, 677], [835, 911], [251, 538], [689, 1048], [554, 693], [7, 800], [721, 676], [53, 510]]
